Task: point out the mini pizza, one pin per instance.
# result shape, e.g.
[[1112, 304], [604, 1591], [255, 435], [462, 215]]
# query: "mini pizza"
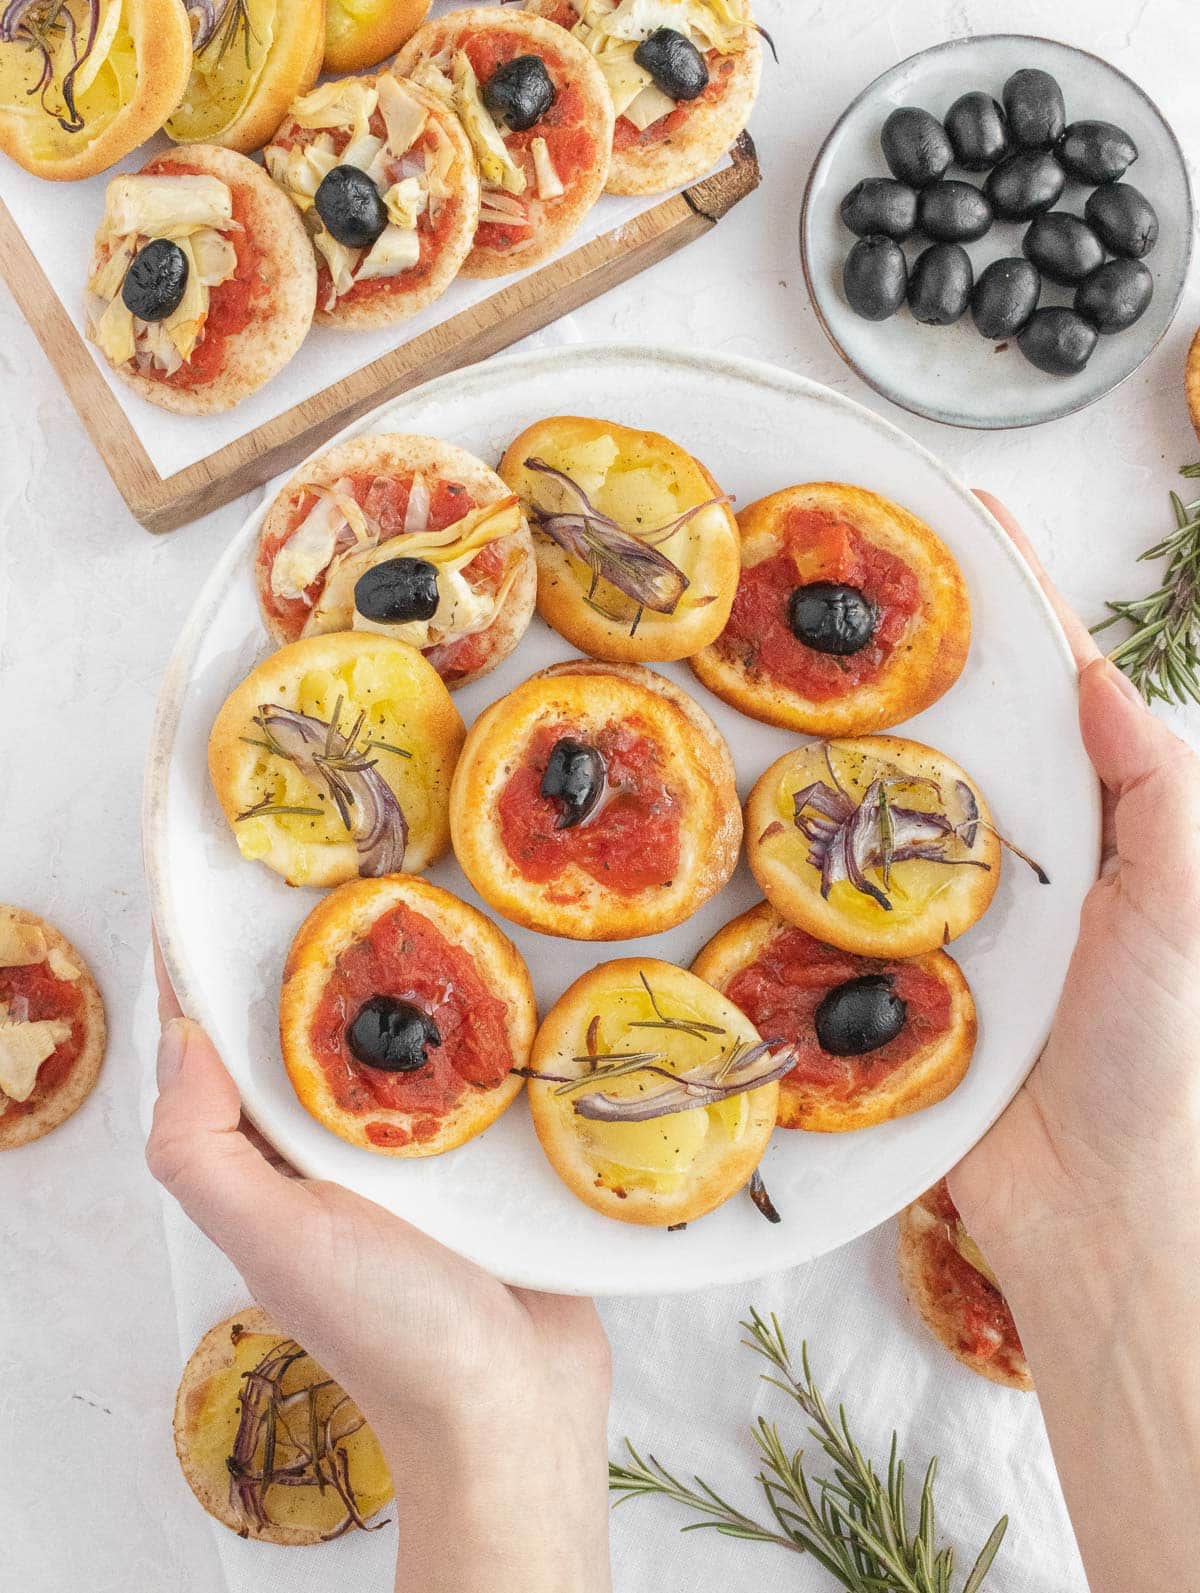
[[202, 282], [652, 1095], [84, 82], [955, 1292], [403, 1017], [850, 614], [333, 759], [384, 177], [407, 537], [359, 33], [596, 802], [536, 108], [873, 1039], [1192, 382], [52, 1030], [877, 845], [683, 76], [636, 546], [270, 1445]]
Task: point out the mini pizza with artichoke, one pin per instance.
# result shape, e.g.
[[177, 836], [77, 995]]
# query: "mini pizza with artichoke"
[[407, 537], [52, 1029], [873, 1038], [636, 545], [270, 1445], [202, 283], [876, 845], [683, 76], [595, 802], [652, 1095], [850, 614], [536, 109], [333, 758], [384, 178], [406, 1017], [955, 1293]]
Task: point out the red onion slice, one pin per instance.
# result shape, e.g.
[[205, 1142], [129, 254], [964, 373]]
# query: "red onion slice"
[[730, 1074]]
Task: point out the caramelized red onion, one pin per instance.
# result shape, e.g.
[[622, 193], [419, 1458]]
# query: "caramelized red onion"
[[35, 24]]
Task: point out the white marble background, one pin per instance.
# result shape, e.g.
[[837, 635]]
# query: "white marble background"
[[90, 1496]]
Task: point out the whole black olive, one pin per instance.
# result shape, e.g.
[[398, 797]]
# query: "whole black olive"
[[1116, 295], [396, 591], [976, 128], [1025, 184], [1096, 152], [915, 146], [1057, 340], [349, 204], [674, 62], [875, 276], [1123, 219], [520, 92], [1036, 113], [831, 618], [953, 212], [882, 206], [939, 288], [575, 776], [1062, 247], [391, 1035], [859, 1016], [1005, 297], [155, 281]]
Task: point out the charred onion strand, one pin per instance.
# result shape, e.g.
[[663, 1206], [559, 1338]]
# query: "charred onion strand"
[[39, 24], [758, 1194]]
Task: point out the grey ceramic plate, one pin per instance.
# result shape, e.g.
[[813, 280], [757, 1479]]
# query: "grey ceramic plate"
[[950, 373]]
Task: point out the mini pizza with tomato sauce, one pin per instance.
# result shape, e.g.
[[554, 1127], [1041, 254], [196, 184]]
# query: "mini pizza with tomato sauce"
[[403, 1016], [536, 109], [202, 284], [873, 1038], [952, 1288], [404, 536], [596, 802], [850, 614], [385, 180], [52, 1030], [683, 76]]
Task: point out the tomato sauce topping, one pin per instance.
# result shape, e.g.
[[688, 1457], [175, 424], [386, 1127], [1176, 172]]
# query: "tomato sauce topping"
[[631, 841], [32, 992], [782, 988], [626, 135], [817, 546], [985, 1324], [406, 956]]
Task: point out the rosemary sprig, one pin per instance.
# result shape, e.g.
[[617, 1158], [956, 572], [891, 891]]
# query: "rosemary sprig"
[[1161, 655], [691, 1026], [854, 1523]]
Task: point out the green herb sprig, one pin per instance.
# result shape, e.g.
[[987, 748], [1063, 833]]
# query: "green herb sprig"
[[853, 1523]]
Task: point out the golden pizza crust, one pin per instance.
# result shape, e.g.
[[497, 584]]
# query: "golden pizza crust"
[[288, 281], [695, 763], [928, 1076], [555, 220], [397, 454], [705, 549], [358, 36], [926, 660], [724, 1164], [777, 853], [56, 1106], [1192, 382], [336, 923]]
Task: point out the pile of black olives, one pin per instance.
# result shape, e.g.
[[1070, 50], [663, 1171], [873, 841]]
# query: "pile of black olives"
[[1030, 153]]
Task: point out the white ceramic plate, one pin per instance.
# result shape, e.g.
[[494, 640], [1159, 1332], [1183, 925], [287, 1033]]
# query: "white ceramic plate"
[[226, 924], [950, 373]]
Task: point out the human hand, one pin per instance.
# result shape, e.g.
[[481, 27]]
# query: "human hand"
[[490, 1403]]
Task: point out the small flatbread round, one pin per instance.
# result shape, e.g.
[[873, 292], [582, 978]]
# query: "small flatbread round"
[[275, 281], [1192, 382], [522, 229], [210, 1417], [377, 472], [403, 938], [360, 33], [31, 947]]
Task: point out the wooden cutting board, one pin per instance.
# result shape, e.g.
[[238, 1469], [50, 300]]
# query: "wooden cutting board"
[[513, 312]]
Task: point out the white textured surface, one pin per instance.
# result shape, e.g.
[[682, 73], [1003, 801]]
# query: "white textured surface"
[[89, 608]]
